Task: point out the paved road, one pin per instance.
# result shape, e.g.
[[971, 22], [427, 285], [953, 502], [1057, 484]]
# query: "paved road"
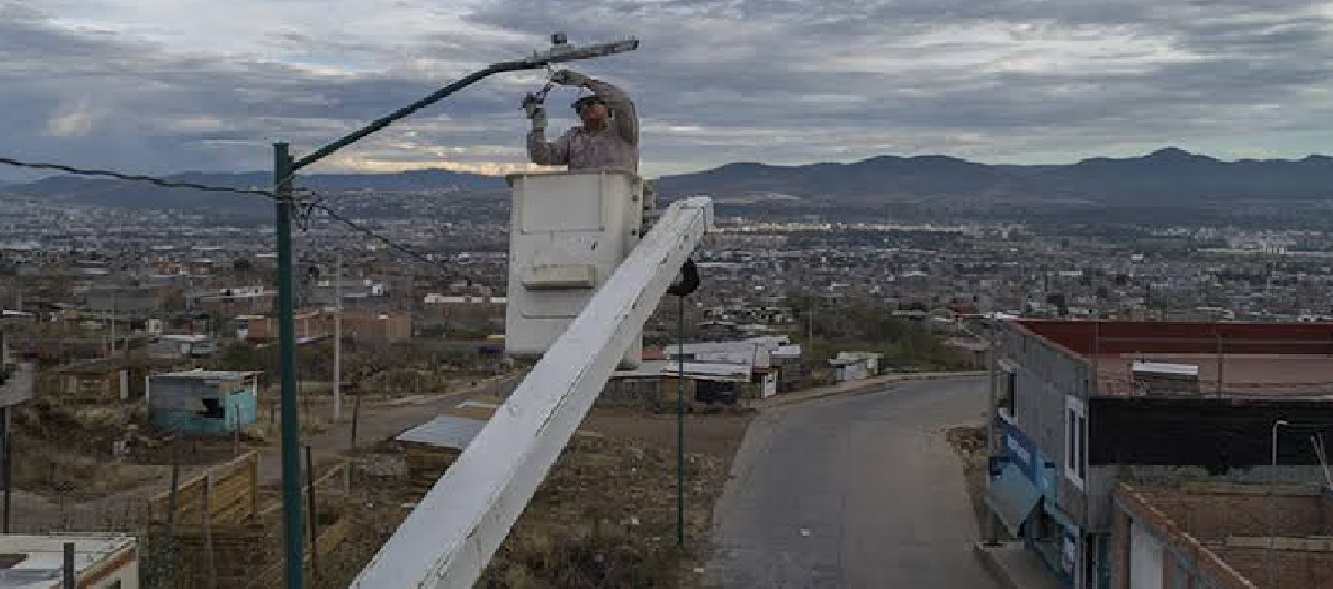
[[850, 492]]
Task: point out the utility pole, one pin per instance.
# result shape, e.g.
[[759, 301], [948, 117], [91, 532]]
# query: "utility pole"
[[285, 168], [810, 331], [338, 334], [112, 318]]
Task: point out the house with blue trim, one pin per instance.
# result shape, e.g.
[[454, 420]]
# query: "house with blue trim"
[[203, 402], [1083, 406]]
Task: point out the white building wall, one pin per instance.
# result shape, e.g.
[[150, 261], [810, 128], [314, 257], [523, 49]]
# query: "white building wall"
[[1145, 558]]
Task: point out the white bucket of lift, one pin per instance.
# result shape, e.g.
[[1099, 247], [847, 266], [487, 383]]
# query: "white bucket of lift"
[[568, 233]]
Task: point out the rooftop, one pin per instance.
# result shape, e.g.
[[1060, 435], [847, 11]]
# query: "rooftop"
[[445, 431], [1226, 528], [208, 375], [1232, 359], [35, 562]]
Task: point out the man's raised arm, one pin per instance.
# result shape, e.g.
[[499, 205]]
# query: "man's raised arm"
[[625, 119]]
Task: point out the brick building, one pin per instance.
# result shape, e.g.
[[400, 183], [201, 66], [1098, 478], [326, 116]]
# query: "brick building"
[[110, 379], [311, 324], [1222, 536], [1083, 406]]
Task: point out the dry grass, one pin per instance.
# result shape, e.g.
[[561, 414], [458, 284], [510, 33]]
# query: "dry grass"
[[43, 468], [606, 518]]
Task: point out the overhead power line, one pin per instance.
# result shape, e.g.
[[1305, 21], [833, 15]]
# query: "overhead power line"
[[162, 182]]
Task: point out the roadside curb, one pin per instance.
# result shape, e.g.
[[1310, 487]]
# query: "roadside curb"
[[993, 566], [859, 388]]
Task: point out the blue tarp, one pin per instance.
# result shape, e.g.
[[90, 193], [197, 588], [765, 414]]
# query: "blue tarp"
[[1012, 497]]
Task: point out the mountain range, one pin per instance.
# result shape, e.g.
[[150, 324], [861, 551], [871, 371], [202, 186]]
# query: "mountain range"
[[1166, 177]]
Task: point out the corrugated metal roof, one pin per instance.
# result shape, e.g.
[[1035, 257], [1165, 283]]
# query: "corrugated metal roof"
[[445, 431], [218, 375], [471, 403]]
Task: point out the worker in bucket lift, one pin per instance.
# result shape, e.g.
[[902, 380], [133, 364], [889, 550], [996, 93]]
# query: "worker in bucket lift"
[[608, 138]]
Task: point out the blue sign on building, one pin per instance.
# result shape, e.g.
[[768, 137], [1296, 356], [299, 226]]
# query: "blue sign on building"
[[1021, 452]]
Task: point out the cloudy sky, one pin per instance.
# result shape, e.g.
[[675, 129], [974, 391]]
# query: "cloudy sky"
[[170, 85]]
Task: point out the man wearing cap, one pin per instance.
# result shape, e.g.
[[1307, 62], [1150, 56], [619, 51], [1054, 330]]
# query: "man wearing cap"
[[608, 138]]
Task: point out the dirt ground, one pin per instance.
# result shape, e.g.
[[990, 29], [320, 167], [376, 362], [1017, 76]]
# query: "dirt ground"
[[604, 517], [713, 434], [969, 441]]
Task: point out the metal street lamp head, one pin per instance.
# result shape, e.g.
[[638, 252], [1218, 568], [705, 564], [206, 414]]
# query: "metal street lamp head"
[[1280, 422], [563, 51]]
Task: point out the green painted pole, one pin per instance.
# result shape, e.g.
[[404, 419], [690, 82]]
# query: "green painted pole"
[[680, 422], [283, 166]]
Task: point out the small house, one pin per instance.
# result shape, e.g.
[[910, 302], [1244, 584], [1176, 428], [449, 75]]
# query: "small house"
[[717, 382], [203, 402], [182, 346], [431, 447], [791, 373], [109, 379], [849, 366]]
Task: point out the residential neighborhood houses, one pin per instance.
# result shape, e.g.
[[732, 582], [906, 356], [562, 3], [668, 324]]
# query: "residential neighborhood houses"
[[1142, 378]]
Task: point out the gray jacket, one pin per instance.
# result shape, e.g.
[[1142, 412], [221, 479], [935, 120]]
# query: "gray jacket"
[[616, 146]]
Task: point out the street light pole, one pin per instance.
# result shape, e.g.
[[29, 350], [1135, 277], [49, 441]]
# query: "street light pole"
[[1272, 487], [680, 422], [687, 282], [338, 335], [284, 171]]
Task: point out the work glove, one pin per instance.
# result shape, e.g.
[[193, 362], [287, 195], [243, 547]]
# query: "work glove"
[[536, 111], [539, 119], [569, 78]]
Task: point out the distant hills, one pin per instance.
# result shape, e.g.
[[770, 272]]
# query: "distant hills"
[[1167, 177]]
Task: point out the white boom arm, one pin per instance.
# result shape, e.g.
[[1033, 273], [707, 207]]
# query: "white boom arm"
[[449, 538]]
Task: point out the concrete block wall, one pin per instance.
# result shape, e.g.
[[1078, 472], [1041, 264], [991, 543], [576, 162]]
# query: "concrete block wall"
[[1214, 518], [1204, 567], [1290, 568]]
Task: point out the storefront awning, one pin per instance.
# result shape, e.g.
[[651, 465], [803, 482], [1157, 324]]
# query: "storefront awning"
[[1012, 497]]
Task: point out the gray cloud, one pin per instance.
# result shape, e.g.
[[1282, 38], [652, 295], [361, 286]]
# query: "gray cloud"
[[1170, 72], [716, 81]]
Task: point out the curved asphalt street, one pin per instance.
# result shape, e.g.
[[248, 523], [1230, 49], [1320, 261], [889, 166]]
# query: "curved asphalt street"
[[853, 491]]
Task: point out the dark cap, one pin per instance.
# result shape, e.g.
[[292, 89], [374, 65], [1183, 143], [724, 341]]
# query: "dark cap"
[[587, 100]]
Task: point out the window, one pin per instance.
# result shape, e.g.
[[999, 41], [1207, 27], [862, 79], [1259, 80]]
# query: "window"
[[1006, 388], [1011, 390], [1076, 440]]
